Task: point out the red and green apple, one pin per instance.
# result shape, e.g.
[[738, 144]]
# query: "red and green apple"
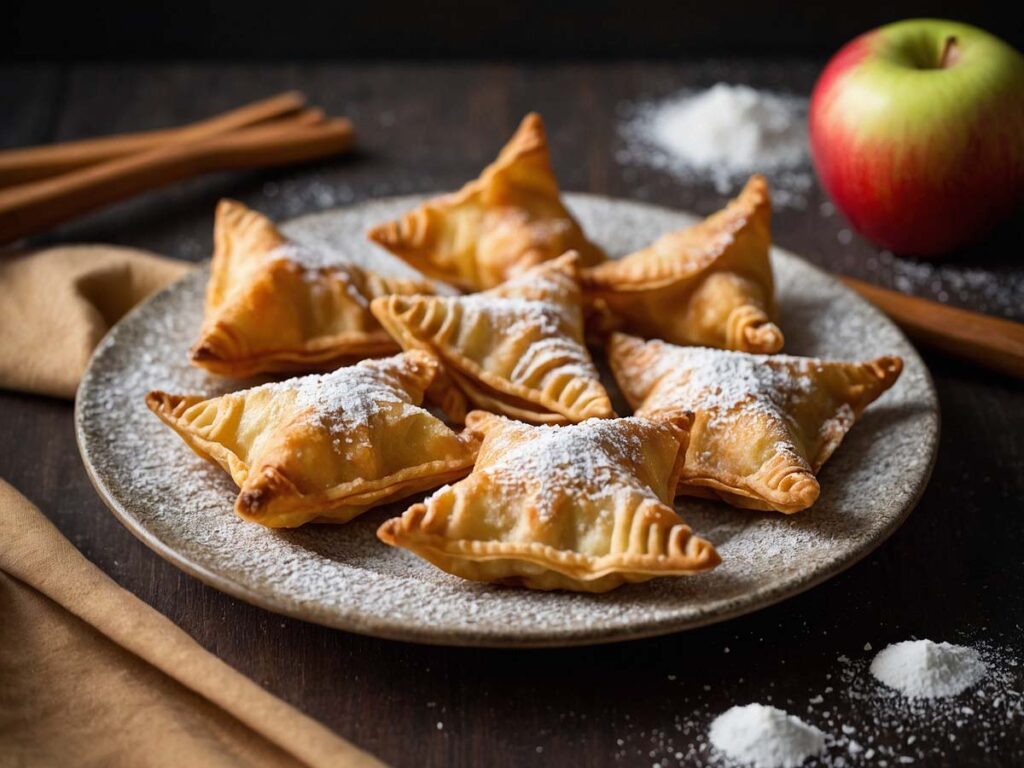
[[917, 134]]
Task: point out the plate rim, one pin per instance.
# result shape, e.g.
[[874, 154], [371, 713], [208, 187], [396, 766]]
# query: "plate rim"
[[377, 625]]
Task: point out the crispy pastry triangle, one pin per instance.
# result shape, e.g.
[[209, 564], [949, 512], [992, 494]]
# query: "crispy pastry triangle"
[[763, 425], [710, 284], [506, 221], [516, 349], [324, 447], [275, 305], [583, 507]]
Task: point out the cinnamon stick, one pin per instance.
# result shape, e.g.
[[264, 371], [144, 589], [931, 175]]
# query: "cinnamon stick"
[[18, 166], [31, 208]]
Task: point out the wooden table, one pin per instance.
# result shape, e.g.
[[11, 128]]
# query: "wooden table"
[[953, 572]]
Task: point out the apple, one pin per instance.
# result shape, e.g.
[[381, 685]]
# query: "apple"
[[917, 134]]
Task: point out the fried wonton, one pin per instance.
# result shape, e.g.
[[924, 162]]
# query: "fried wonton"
[[324, 448], [584, 507], [506, 221], [709, 285], [516, 349], [763, 425], [276, 305]]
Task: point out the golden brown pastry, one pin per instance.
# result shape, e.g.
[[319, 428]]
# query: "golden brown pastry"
[[276, 305], [583, 507], [506, 221], [324, 447], [710, 284], [516, 349], [763, 425]]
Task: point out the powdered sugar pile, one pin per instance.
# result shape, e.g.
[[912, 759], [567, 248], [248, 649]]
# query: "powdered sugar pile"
[[723, 135], [765, 737], [890, 726], [861, 722], [926, 670]]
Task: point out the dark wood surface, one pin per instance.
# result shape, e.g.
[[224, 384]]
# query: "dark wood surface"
[[953, 572]]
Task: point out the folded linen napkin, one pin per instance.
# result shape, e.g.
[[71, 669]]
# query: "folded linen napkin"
[[57, 303], [91, 675]]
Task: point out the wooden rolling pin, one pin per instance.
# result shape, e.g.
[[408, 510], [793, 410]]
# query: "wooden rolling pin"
[[991, 342]]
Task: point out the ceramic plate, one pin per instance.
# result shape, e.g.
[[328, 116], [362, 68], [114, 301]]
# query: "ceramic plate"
[[342, 576]]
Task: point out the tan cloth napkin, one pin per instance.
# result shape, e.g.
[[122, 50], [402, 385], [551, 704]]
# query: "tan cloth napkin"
[[92, 676], [56, 304], [89, 674]]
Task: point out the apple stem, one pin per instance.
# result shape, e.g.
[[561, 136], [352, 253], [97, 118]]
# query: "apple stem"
[[950, 53]]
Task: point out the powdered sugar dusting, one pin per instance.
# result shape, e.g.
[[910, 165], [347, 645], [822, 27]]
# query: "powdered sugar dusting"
[[517, 315], [347, 399], [581, 460], [522, 309], [727, 384], [308, 257], [343, 576], [524, 304], [536, 283]]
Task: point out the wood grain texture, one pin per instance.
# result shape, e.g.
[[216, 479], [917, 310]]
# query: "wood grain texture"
[[953, 572]]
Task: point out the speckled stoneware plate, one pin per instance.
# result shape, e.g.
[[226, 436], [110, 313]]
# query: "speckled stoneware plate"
[[344, 577]]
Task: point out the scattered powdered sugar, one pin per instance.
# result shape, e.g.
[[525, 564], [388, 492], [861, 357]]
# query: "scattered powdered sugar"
[[998, 290], [885, 725], [722, 135], [926, 670], [765, 737], [862, 722], [298, 195], [731, 126]]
